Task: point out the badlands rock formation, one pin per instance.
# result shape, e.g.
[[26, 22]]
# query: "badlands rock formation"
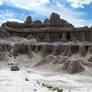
[[55, 45]]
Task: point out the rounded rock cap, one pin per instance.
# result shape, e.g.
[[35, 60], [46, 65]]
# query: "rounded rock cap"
[[28, 20]]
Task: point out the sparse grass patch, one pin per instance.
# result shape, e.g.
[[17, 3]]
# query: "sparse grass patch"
[[26, 79], [43, 84], [58, 89], [38, 82], [50, 87], [28, 71]]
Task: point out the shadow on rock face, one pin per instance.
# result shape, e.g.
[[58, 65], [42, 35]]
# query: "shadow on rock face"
[[72, 66], [47, 60]]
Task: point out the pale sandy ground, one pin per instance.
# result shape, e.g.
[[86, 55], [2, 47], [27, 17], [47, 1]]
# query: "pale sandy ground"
[[14, 81]]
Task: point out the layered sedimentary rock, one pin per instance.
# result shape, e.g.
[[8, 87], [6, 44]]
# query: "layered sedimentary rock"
[[53, 29], [4, 33], [73, 66], [54, 21], [57, 42]]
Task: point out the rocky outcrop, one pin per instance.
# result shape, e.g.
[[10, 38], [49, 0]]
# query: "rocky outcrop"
[[52, 30], [15, 25], [37, 24], [4, 51], [28, 20], [47, 49], [63, 38], [14, 68], [54, 21], [54, 49], [54, 17], [4, 33], [51, 54], [90, 59], [47, 23], [72, 66], [5, 47], [51, 34], [20, 49], [3, 55], [47, 60], [57, 22]]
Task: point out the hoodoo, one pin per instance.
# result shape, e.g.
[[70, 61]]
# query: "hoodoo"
[[29, 20]]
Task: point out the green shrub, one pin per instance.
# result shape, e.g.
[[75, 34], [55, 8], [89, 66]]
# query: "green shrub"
[[50, 87], [38, 82], [26, 79], [43, 84], [58, 89]]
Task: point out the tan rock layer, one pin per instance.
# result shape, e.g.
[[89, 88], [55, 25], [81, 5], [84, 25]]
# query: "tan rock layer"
[[54, 21]]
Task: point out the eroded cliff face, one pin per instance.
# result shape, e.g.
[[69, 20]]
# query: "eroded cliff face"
[[59, 57], [55, 44]]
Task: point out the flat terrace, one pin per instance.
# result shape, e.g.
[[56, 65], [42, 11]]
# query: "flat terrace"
[[52, 33], [46, 29]]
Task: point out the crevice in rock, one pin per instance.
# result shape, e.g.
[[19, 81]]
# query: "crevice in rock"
[[74, 49]]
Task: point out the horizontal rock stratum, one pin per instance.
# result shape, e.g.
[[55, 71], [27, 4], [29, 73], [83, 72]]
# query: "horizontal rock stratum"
[[55, 45]]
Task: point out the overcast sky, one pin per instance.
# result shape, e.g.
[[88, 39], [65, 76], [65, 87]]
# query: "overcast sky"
[[77, 12]]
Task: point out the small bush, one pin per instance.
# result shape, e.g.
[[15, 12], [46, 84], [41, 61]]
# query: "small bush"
[[38, 82], [26, 79], [43, 84], [50, 87], [58, 89]]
